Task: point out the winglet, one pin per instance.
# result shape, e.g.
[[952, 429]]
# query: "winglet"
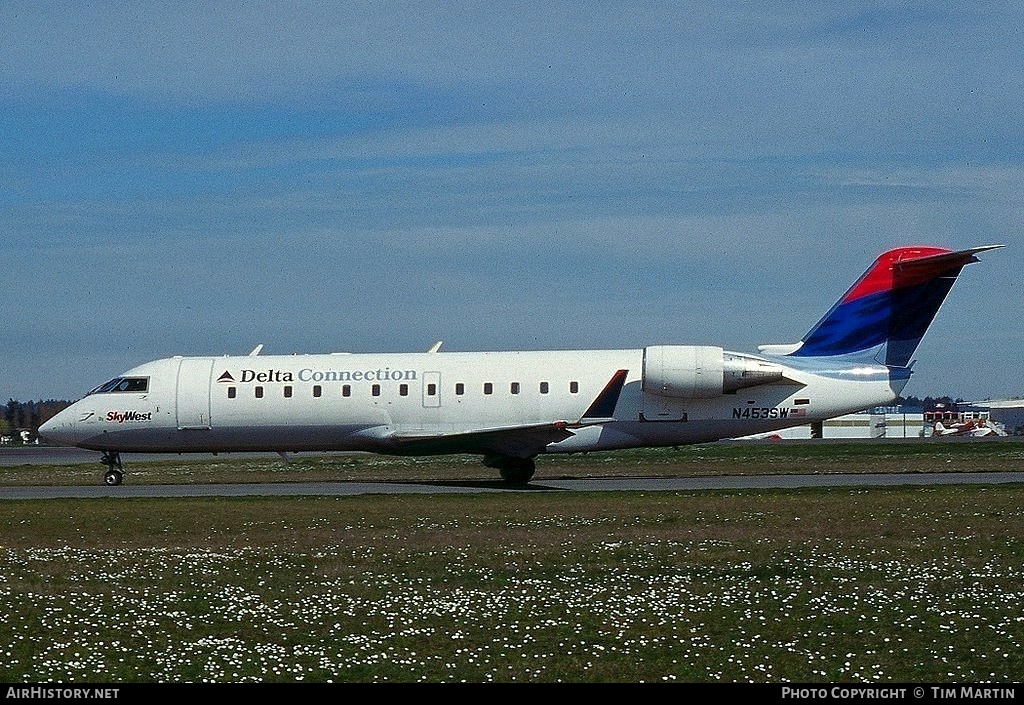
[[603, 406]]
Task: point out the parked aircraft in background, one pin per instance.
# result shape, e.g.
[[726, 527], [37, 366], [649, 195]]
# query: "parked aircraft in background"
[[975, 428], [510, 407]]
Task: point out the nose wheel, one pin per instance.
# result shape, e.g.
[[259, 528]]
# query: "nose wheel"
[[114, 473]]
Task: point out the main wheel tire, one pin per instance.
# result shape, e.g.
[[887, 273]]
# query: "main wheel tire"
[[519, 472], [112, 477]]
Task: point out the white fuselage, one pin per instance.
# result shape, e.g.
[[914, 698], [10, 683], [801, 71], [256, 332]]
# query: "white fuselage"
[[371, 402]]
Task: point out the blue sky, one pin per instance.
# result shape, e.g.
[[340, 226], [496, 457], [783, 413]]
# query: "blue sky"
[[192, 179]]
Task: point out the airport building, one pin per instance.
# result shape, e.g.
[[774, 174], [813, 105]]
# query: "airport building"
[[1007, 412], [989, 418], [879, 422]]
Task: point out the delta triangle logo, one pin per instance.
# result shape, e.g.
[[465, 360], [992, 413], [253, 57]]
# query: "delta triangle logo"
[[226, 377]]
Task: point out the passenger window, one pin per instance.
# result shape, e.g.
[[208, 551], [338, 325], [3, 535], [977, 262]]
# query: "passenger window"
[[259, 392], [460, 389], [488, 388], [403, 390], [232, 392], [287, 392], [431, 390], [574, 387], [346, 390], [375, 390], [543, 387], [514, 388], [317, 390]]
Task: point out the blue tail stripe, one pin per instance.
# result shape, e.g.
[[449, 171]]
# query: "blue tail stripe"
[[912, 312], [851, 327], [898, 317]]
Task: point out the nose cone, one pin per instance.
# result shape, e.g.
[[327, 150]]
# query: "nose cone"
[[63, 429], [51, 432]]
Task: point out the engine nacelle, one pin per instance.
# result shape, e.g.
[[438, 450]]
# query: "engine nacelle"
[[702, 371]]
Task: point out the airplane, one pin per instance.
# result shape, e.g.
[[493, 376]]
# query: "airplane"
[[969, 427], [511, 407]]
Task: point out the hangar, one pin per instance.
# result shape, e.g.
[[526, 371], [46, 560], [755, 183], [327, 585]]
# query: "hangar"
[[1008, 412]]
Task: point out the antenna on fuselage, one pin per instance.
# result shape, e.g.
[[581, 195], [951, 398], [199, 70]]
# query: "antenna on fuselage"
[[435, 347], [256, 350]]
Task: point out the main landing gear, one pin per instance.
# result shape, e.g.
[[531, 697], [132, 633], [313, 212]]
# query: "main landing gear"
[[114, 473], [515, 471]]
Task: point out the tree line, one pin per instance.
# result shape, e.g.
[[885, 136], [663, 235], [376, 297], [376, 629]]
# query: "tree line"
[[28, 416], [929, 403]]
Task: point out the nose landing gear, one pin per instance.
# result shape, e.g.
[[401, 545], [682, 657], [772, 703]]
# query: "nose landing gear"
[[114, 473]]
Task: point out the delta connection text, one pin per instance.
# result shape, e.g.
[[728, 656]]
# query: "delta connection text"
[[934, 692], [385, 374]]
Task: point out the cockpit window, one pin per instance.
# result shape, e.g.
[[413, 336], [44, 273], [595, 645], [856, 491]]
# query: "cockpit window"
[[123, 384]]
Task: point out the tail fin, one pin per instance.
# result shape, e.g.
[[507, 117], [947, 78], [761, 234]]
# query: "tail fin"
[[884, 315]]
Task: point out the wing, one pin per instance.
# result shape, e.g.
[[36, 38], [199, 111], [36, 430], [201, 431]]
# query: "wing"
[[517, 441]]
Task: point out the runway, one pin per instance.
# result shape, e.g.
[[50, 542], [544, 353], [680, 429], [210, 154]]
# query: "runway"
[[59, 455], [43, 455], [342, 489]]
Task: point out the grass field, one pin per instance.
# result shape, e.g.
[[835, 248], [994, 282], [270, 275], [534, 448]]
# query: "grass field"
[[860, 585]]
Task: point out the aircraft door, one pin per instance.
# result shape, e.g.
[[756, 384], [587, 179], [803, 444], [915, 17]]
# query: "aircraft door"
[[193, 399], [431, 389]]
